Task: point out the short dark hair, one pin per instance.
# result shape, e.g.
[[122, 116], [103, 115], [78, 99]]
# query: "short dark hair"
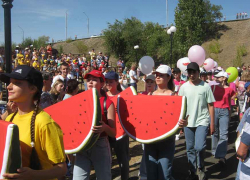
[[64, 64], [72, 84]]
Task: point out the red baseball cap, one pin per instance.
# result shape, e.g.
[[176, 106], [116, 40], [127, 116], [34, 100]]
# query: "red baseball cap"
[[95, 73]]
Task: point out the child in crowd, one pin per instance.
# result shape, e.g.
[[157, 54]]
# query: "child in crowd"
[[121, 146], [99, 154], [57, 91], [160, 155], [41, 138]]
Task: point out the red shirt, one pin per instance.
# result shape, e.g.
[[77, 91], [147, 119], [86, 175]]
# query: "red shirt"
[[222, 96], [104, 118]]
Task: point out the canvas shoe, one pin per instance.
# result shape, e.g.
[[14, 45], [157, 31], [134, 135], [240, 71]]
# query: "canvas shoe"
[[201, 174]]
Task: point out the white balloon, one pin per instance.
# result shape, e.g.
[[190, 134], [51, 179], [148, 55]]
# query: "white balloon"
[[215, 65], [146, 64], [183, 64]]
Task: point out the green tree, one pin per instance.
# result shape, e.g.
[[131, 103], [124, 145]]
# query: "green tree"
[[41, 41], [27, 42], [195, 22], [81, 47], [121, 37], [60, 51]]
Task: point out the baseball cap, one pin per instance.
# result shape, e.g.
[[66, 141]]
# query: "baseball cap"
[[163, 69], [95, 73], [222, 74], [112, 75], [246, 85], [24, 72], [176, 70], [151, 77], [193, 66]]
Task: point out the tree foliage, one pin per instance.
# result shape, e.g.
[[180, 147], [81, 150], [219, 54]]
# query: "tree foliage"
[[37, 43], [195, 22], [121, 37]]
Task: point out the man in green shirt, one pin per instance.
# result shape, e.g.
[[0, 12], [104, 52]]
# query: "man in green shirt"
[[200, 109]]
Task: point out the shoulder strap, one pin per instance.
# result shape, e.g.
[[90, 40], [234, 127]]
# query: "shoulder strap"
[[105, 107], [213, 88]]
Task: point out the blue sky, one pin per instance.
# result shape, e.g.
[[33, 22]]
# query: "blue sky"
[[47, 17]]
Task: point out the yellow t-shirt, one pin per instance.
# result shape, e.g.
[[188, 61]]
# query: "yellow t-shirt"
[[48, 139]]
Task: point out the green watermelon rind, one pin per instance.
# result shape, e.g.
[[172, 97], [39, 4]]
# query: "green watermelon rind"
[[164, 136], [134, 93], [10, 165], [92, 137]]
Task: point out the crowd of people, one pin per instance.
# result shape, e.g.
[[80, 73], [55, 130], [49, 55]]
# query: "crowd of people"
[[242, 15], [38, 82]]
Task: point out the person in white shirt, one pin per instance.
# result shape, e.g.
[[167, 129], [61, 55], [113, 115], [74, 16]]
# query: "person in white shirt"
[[64, 68], [133, 76]]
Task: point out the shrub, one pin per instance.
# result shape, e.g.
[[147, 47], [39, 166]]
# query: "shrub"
[[69, 40], [214, 47]]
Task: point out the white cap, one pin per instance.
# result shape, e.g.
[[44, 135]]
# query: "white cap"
[[150, 76], [222, 74], [163, 69]]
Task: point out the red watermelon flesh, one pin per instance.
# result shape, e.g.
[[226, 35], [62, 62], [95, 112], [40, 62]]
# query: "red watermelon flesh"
[[119, 129], [149, 119], [76, 116], [10, 153]]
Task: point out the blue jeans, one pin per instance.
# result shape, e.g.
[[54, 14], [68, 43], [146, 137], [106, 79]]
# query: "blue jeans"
[[99, 156], [143, 170], [196, 146], [159, 158], [134, 85], [220, 136]]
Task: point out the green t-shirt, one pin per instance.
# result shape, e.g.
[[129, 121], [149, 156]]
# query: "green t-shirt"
[[198, 97]]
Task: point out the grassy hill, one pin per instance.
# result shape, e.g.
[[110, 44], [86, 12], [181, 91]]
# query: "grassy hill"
[[233, 35]]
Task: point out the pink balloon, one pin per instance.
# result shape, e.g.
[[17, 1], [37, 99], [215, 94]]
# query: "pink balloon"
[[208, 64], [215, 65], [197, 54]]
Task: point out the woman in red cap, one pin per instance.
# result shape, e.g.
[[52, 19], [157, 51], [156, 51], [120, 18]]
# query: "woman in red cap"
[[99, 154]]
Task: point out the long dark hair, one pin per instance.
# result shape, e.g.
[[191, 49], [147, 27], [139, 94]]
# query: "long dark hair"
[[34, 160], [171, 85]]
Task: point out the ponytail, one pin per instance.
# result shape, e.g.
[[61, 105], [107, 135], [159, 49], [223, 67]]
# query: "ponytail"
[[34, 160]]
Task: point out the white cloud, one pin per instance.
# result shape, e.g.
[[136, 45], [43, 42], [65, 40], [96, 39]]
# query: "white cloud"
[[45, 12]]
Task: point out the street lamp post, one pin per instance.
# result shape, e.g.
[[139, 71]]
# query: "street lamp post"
[[171, 32], [136, 49], [88, 22], [23, 32], [7, 5]]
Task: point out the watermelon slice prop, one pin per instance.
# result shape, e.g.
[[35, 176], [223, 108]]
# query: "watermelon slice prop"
[[120, 133], [76, 116], [149, 119], [10, 152]]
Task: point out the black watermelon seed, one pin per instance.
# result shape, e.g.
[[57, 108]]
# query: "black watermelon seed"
[[146, 131], [85, 111], [70, 133], [164, 111], [72, 141], [130, 107], [75, 129], [132, 113], [84, 99], [156, 128], [80, 105], [171, 113], [120, 128], [80, 114], [173, 102], [147, 124], [140, 122], [160, 117], [83, 122], [166, 103], [63, 134], [78, 122], [131, 101], [166, 123], [80, 132], [154, 122], [118, 122]]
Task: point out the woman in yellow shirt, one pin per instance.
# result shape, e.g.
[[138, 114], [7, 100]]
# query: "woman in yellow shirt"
[[41, 139]]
